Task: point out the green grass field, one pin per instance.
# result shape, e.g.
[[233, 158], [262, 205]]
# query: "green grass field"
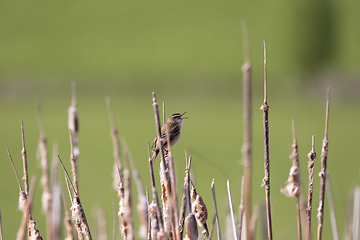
[[191, 55]]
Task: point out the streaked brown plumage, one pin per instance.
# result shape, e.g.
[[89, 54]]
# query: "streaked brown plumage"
[[173, 126]]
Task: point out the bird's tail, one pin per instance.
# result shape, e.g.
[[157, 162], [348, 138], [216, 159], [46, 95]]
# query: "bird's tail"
[[206, 229]]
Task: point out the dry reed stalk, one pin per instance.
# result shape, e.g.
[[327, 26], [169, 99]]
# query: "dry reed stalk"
[[233, 223], [293, 187], [353, 216], [77, 224], [165, 192], [253, 223], [182, 212], [73, 161], [33, 233], [191, 227], [185, 203], [73, 125], [266, 180], [155, 198], [67, 218], [311, 155], [199, 209], [211, 231], [101, 224], [22, 194], [46, 197], [174, 214], [128, 214], [24, 158], [228, 227], [77, 211], [216, 211], [164, 175], [79, 218], [124, 183], [322, 174], [121, 194], [154, 223], [148, 220], [142, 206], [332, 211], [56, 196], [22, 197], [241, 209], [114, 135], [246, 148]]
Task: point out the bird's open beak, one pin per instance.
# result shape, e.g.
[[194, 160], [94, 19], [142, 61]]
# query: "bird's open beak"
[[183, 117]]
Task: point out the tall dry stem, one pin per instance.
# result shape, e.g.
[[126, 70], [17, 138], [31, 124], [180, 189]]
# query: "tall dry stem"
[[156, 210], [266, 180], [67, 218], [185, 201], [332, 211], [311, 155], [216, 210], [246, 148], [293, 186], [45, 179], [231, 210], [322, 174], [24, 158], [164, 173]]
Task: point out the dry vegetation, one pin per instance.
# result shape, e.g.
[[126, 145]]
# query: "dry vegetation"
[[162, 219]]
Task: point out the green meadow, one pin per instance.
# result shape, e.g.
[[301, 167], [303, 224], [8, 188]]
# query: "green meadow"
[[190, 54]]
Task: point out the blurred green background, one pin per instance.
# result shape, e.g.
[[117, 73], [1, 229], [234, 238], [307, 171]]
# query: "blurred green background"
[[190, 54]]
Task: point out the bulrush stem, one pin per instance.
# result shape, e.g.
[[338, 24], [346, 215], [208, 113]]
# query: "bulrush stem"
[[155, 195], [77, 210], [24, 158], [164, 175], [184, 200], [298, 208], [246, 148], [67, 218], [26, 220], [73, 164], [45, 179], [266, 180], [311, 156], [114, 136], [322, 174], [216, 211], [332, 211], [296, 164], [231, 209], [73, 125]]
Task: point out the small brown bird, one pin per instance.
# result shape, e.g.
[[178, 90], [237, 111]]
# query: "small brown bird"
[[173, 126]]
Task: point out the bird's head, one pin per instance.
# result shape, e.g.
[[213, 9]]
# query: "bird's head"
[[176, 118]]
